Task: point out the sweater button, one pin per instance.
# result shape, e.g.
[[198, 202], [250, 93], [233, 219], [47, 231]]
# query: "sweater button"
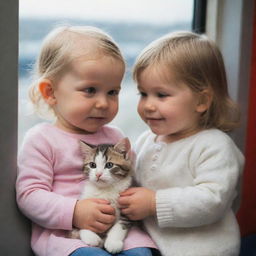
[[153, 168], [158, 148], [155, 157]]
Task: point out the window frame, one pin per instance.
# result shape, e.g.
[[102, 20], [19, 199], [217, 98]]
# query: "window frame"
[[199, 16], [226, 21], [13, 225]]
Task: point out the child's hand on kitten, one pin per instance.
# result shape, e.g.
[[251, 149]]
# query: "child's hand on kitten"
[[137, 203], [94, 214]]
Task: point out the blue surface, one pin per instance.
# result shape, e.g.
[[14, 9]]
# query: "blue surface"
[[248, 246]]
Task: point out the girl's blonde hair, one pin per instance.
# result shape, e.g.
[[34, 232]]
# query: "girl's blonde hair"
[[60, 47], [197, 62]]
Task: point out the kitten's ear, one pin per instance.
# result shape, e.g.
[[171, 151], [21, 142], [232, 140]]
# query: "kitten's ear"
[[86, 149], [123, 146]]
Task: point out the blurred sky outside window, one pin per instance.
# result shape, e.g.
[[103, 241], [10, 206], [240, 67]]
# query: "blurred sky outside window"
[[133, 24]]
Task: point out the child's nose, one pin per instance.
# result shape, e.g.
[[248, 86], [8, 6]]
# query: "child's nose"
[[102, 102], [150, 106]]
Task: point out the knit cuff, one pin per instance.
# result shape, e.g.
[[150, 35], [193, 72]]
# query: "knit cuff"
[[66, 220], [164, 210]]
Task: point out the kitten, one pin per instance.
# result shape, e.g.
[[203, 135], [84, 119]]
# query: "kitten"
[[109, 172]]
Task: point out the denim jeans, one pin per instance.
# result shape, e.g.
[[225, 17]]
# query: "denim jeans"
[[95, 251]]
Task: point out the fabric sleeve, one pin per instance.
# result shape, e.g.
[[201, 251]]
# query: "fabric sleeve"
[[34, 186], [217, 171]]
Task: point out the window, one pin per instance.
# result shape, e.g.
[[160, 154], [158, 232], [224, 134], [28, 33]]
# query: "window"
[[133, 24], [234, 20]]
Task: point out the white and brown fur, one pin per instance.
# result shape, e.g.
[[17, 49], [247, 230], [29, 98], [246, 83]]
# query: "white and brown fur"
[[109, 172]]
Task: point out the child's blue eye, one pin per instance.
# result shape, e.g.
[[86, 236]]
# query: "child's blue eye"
[[142, 94], [113, 92], [90, 90], [162, 95]]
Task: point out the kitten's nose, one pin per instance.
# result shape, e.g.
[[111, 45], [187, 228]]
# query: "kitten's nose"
[[98, 175]]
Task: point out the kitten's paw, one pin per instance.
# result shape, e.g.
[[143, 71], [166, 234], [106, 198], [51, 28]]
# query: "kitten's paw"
[[113, 246], [90, 238], [74, 234]]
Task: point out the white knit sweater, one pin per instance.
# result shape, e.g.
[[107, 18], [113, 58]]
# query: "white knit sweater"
[[197, 182]]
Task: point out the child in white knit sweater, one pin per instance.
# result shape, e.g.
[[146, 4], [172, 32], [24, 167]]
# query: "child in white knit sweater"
[[188, 167]]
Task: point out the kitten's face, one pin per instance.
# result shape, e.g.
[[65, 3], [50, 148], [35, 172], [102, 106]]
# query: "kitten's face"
[[106, 165]]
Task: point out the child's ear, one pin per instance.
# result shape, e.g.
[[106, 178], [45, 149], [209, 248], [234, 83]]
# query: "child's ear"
[[205, 100], [47, 91]]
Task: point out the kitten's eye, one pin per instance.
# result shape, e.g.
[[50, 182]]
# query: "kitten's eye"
[[92, 165], [109, 165]]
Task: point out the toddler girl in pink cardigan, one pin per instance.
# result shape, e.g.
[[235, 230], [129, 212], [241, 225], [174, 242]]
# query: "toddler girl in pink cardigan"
[[79, 70]]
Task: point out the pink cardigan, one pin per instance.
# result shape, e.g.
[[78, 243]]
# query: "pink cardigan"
[[49, 182]]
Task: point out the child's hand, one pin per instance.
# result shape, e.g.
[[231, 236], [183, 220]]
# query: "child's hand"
[[138, 203], [94, 214]]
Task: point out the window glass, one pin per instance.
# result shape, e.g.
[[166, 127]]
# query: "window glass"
[[133, 24]]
